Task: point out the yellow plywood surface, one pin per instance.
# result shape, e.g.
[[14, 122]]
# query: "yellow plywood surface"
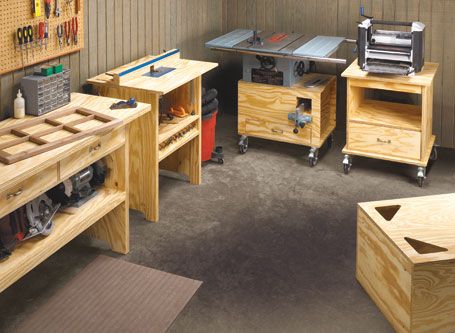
[[426, 219], [185, 71], [424, 78], [387, 114], [17, 172]]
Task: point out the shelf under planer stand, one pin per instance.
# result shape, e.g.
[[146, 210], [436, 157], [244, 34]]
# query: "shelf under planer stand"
[[180, 86]]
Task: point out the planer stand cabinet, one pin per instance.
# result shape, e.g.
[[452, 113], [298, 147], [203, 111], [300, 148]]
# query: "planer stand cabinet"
[[263, 113], [395, 132]]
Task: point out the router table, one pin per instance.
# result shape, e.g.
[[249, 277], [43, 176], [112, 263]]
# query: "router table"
[[163, 81], [278, 98]]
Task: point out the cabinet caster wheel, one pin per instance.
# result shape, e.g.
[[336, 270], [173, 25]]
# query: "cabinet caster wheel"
[[434, 154], [421, 176], [221, 160], [347, 163], [313, 157], [330, 141], [243, 144], [312, 162]]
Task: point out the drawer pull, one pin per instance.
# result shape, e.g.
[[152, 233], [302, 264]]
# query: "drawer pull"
[[384, 141], [97, 147], [15, 194], [277, 131]]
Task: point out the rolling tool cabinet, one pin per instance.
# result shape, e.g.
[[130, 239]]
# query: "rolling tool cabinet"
[[105, 216], [264, 113], [162, 81], [390, 131]]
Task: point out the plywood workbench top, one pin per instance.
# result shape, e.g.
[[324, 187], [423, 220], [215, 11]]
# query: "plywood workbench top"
[[14, 173], [424, 78], [185, 71], [428, 219]]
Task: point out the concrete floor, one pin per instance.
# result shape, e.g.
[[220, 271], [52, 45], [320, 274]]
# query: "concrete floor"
[[273, 241]]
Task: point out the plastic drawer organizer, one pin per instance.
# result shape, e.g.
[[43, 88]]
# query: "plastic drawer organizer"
[[44, 94]]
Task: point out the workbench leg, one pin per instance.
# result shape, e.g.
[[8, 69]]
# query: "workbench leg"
[[194, 157], [144, 165], [113, 228]]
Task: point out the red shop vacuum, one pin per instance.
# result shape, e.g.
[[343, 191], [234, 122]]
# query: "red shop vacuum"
[[209, 114]]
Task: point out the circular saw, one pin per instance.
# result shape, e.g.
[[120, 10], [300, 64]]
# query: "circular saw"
[[40, 213]]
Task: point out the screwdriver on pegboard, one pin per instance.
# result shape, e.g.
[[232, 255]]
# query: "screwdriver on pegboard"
[[30, 39], [25, 40], [47, 8], [41, 34], [74, 29], [20, 41]]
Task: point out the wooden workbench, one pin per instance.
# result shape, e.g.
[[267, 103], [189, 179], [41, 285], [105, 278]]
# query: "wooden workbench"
[[105, 216], [182, 87], [390, 131]]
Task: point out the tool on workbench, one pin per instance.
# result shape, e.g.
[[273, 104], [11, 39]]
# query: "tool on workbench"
[[46, 33], [40, 213], [129, 104], [36, 8], [68, 32], [60, 34], [57, 8], [41, 34], [391, 52], [74, 26], [30, 34], [78, 6], [47, 8], [80, 188], [20, 43]]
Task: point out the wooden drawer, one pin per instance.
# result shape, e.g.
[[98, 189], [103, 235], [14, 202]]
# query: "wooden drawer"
[[91, 153], [278, 131], [19, 194], [384, 140]]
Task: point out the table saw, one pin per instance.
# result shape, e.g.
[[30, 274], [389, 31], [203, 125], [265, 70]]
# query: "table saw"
[[279, 98]]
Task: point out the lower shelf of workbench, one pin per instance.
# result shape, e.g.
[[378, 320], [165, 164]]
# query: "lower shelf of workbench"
[[66, 227]]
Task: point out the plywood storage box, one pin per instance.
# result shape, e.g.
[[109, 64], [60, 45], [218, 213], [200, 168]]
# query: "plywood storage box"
[[406, 261]]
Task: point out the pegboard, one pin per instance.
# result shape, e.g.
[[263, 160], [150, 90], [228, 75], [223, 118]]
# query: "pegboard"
[[15, 14]]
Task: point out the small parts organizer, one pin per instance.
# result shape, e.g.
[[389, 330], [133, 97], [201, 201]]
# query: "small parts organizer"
[[36, 31]]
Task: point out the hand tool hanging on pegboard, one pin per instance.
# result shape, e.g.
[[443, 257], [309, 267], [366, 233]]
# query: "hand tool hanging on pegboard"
[[41, 34], [36, 8], [20, 43], [47, 8], [60, 34], [25, 39], [46, 33], [74, 25], [57, 8], [30, 34], [68, 32]]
